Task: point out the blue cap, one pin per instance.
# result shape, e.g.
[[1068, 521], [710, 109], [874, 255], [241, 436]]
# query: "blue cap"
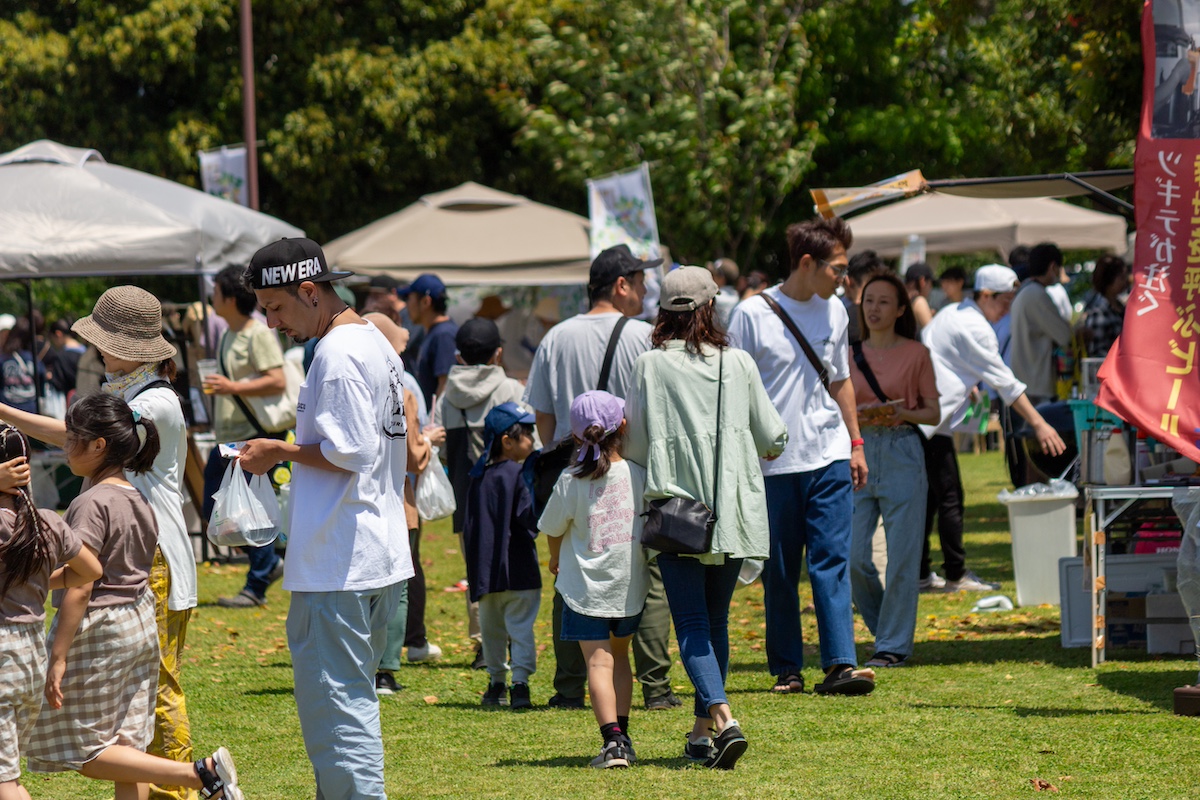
[[428, 284], [497, 421]]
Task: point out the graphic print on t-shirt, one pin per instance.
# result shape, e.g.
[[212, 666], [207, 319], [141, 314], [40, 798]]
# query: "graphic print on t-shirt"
[[610, 519], [396, 426]]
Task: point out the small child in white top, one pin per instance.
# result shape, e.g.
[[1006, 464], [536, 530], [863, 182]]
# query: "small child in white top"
[[594, 515]]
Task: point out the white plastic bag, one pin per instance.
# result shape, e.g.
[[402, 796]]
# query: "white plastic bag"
[[242, 515], [435, 495]]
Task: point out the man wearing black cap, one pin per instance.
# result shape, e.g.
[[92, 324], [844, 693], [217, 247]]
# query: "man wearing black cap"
[[569, 362], [426, 301], [348, 551]]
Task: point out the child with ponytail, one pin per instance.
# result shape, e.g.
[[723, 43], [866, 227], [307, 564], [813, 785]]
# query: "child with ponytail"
[[594, 515], [32, 543], [103, 654]]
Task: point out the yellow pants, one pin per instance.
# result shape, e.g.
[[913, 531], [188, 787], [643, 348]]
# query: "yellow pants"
[[172, 733]]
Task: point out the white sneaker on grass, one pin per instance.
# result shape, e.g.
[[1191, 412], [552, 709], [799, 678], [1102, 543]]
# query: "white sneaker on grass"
[[934, 583], [970, 582], [430, 652]]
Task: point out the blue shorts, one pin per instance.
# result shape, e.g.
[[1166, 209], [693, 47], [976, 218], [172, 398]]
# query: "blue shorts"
[[578, 627]]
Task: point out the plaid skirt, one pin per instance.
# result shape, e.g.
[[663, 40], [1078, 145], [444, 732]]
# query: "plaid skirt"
[[108, 689], [22, 680]]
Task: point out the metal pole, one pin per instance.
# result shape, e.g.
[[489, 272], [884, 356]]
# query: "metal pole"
[[38, 380], [249, 133]]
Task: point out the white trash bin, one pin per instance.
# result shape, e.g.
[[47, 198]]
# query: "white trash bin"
[[1041, 520]]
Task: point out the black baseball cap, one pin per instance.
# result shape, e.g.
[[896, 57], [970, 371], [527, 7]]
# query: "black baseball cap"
[[477, 339], [288, 262], [616, 262]]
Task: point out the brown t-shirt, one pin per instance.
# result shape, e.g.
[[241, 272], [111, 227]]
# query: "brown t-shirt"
[[904, 372], [118, 523], [26, 602]]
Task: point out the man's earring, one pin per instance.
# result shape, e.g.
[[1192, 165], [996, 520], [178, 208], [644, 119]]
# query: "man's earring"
[[314, 302]]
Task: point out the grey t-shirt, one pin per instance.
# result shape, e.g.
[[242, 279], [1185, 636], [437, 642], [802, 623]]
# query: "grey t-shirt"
[[568, 362], [26, 602], [118, 523]]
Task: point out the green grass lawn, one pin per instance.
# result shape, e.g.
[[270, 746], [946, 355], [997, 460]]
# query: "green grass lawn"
[[989, 703]]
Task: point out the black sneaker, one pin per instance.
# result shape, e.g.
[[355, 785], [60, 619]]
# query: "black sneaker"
[[496, 695], [519, 696], [613, 754], [478, 663], [699, 750], [562, 701], [727, 748], [385, 683], [663, 702], [632, 756]]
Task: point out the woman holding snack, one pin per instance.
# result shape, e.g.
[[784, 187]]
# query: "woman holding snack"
[[893, 378]]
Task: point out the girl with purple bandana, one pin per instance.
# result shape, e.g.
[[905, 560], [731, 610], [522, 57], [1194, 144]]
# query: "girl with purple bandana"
[[595, 515]]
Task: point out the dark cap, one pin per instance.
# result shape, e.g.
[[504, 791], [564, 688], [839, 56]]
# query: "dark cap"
[[384, 283], [427, 284], [917, 271], [477, 339], [288, 262], [616, 262]]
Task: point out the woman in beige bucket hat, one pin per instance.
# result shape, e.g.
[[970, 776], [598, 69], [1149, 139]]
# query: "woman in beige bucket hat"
[[126, 327]]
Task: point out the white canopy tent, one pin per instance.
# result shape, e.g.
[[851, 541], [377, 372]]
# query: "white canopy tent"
[[65, 212], [955, 224], [471, 235]]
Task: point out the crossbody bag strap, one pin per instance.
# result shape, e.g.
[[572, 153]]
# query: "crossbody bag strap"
[[241, 404], [717, 457], [818, 365], [606, 367], [860, 359]]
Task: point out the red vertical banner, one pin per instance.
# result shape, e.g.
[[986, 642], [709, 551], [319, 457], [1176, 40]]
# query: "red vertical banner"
[[1150, 377]]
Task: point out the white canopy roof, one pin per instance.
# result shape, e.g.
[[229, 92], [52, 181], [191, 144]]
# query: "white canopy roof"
[[471, 235], [951, 224], [65, 212]]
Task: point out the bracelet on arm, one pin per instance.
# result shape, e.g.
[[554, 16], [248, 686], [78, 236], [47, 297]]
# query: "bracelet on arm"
[[856, 443]]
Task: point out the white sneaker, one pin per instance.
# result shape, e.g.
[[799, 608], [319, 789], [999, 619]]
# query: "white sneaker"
[[430, 652], [934, 583], [970, 582]]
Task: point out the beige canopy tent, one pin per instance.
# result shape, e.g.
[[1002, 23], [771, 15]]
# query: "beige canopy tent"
[[954, 224], [471, 235]]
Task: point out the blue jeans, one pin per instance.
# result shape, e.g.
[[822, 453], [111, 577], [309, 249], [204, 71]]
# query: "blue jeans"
[[809, 515], [699, 596], [336, 640], [262, 559], [896, 488]]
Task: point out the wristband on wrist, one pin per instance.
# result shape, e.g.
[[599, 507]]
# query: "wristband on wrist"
[[856, 443]]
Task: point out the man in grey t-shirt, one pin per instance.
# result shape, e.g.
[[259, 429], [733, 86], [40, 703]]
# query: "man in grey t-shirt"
[[567, 364]]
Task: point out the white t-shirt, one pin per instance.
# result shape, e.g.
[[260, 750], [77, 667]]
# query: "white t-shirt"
[[568, 362], [162, 487], [817, 434], [348, 530], [602, 569]]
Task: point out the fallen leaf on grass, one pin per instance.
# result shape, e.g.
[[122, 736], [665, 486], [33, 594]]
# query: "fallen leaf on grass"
[[1042, 785], [430, 699]]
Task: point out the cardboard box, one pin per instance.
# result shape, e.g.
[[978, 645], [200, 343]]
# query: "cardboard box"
[[1126, 636], [1126, 606], [1165, 606], [1175, 639]]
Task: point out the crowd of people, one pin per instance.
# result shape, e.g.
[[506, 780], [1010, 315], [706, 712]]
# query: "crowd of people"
[[747, 421]]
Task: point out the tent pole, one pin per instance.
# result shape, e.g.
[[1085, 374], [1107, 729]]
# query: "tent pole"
[[248, 112], [38, 380]]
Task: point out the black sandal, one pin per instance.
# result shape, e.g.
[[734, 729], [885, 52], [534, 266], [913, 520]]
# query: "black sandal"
[[789, 683], [844, 679], [887, 660], [221, 779]]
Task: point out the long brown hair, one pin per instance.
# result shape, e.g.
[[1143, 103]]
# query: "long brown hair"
[[28, 551], [906, 323], [592, 466], [696, 328]]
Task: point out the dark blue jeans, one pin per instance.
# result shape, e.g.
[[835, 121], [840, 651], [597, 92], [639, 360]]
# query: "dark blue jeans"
[[699, 596], [810, 516], [262, 559]]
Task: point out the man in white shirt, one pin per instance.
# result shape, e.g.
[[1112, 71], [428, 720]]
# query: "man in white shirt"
[[809, 487], [348, 552], [965, 352], [568, 363]]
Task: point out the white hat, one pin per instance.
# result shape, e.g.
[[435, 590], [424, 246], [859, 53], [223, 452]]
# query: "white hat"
[[996, 278], [7, 321]]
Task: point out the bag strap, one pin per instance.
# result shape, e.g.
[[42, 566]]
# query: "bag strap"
[[717, 457], [818, 365], [606, 367], [861, 360], [241, 404]]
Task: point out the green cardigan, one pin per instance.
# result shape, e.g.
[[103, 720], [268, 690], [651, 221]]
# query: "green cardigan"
[[671, 411]]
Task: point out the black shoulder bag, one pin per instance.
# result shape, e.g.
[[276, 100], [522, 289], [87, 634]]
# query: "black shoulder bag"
[[679, 525], [550, 464], [817, 363]]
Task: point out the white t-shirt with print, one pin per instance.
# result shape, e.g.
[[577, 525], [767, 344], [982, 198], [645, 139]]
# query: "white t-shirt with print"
[[817, 434], [602, 570], [347, 528]]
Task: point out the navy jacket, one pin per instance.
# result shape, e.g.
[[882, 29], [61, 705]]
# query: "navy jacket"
[[499, 532]]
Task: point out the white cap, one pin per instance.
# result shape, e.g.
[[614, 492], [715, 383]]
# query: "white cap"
[[996, 278], [7, 321]]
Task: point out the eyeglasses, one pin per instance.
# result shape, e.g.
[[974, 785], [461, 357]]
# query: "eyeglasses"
[[838, 272]]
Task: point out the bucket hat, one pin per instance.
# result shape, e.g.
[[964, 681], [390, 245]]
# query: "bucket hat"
[[127, 323]]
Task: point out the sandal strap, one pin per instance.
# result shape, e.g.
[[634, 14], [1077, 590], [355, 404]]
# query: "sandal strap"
[[213, 785]]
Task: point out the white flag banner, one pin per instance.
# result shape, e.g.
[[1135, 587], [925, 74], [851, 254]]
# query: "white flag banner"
[[621, 207], [223, 173]]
